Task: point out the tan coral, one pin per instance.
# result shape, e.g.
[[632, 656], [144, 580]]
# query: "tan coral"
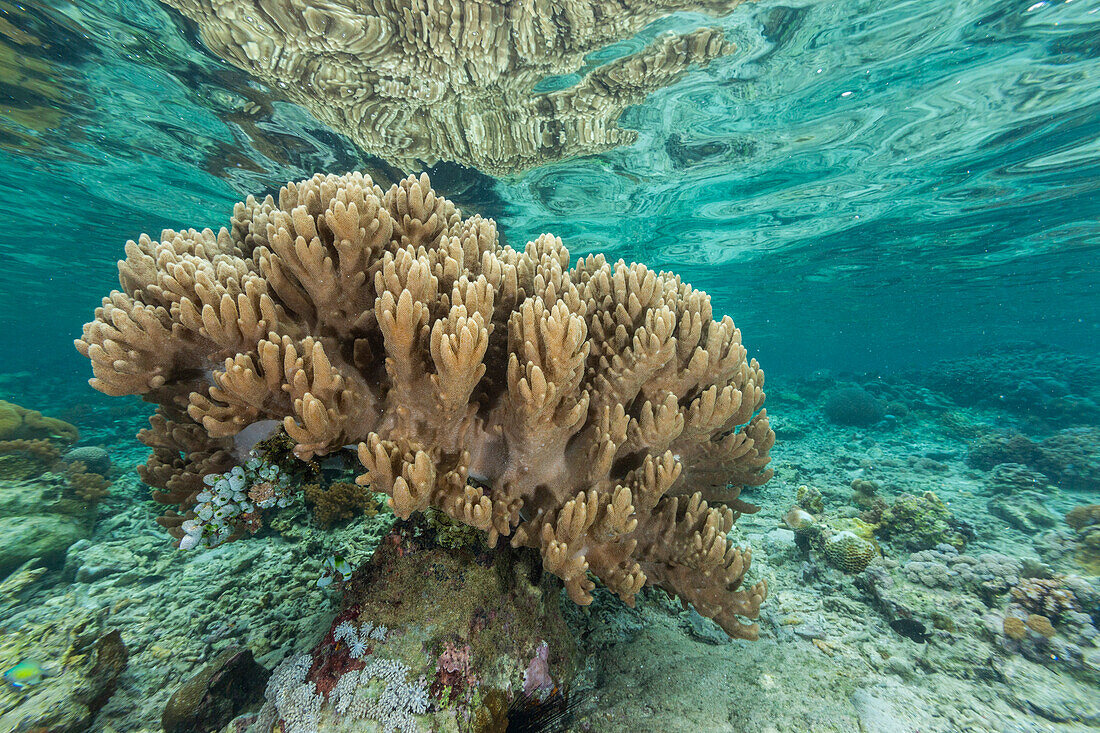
[[416, 83], [598, 413]]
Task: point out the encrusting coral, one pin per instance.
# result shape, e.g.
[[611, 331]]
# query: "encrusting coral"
[[459, 80], [338, 501], [592, 413]]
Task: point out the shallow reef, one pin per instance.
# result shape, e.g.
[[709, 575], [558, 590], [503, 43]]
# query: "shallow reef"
[[914, 588]]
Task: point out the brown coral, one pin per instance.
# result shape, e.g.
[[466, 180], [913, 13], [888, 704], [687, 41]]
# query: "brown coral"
[[88, 486], [1014, 628], [338, 502], [1040, 624], [593, 413], [1044, 596], [456, 79]]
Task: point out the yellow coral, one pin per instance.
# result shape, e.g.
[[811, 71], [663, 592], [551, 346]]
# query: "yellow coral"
[[594, 413], [849, 552], [18, 423]]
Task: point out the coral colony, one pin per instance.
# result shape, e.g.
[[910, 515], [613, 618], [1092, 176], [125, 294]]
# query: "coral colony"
[[599, 414]]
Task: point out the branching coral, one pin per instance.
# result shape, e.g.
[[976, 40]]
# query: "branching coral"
[[456, 79], [88, 486], [593, 413]]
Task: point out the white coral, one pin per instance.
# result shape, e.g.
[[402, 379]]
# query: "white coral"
[[357, 648], [346, 632]]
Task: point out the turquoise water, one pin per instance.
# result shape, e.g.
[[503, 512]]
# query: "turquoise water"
[[861, 185], [900, 198]]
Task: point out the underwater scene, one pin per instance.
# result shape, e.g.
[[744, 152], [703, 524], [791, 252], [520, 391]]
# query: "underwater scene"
[[399, 366]]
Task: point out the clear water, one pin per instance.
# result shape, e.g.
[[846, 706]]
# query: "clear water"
[[866, 187]]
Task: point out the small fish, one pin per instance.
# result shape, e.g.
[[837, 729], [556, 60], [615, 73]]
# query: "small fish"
[[24, 674], [911, 629]]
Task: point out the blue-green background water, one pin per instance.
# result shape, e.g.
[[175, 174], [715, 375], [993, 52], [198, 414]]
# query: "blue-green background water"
[[863, 185]]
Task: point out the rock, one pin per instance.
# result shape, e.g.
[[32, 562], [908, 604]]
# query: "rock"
[[1040, 691], [95, 458], [899, 665], [890, 708], [1023, 510], [227, 685], [87, 563], [45, 536], [703, 629], [779, 538]]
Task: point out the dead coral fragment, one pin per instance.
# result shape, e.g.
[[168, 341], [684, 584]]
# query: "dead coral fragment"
[[600, 414]]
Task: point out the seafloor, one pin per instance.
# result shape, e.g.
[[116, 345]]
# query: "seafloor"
[[961, 475]]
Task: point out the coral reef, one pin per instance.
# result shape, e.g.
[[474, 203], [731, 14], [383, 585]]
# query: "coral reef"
[[30, 442], [232, 503], [23, 459], [601, 409], [810, 499], [43, 514], [456, 80], [484, 620], [96, 459], [88, 486], [1085, 521], [1046, 622], [992, 449], [1064, 390], [1009, 478], [853, 405], [1071, 458], [1047, 596]]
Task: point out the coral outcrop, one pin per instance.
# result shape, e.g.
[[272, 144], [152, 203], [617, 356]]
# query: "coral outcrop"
[[600, 414], [20, 423], [915, 523], [853, 405], [490, 624], [460, 80]]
